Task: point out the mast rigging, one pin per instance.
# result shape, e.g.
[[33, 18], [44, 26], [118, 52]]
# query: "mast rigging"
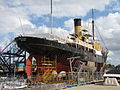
[[51, 18]]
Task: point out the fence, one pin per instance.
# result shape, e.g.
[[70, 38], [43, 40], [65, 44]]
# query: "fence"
[[58, 82], [84, 77]]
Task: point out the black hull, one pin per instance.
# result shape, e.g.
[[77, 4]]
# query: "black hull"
[[44, 47]]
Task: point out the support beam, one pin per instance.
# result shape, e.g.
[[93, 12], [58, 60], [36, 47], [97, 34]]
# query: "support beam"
[[29, 66]]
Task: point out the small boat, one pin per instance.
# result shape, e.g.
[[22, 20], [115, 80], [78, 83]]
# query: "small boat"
[[15, 85], [113, 74]]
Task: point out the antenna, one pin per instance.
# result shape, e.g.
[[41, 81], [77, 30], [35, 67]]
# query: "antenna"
[[51, 18], [93, 24]]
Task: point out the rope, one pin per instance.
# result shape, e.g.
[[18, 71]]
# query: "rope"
[[101, 37]]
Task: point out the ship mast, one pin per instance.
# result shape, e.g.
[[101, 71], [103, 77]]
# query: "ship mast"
[[93, 25], [51, 18]]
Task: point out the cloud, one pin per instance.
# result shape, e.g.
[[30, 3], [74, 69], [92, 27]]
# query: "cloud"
[[109, 28], [117, 6], [113, 61], [78, 7], [57, 31], [60, 7], [110, 53], [69, 24], [9, 18], [12, 10], [5, 41]]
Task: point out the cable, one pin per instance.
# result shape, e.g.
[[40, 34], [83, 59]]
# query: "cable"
[[21, 25], [101, 37]]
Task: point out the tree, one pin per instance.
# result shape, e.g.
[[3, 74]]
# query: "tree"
[[109, 66], [117, 67]]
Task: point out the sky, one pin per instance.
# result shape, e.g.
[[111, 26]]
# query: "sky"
[[21, 17]]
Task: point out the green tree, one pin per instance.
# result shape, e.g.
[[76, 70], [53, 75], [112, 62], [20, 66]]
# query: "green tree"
[[109, 66], [117, 67]]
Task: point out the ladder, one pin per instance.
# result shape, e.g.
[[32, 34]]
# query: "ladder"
[[48, 66]]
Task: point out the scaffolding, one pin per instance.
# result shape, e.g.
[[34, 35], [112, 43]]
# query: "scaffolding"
[[44, 68], [9, 55], [78, 66]]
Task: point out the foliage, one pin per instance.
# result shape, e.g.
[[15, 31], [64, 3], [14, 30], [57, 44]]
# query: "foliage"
[[117, 67], [109, 66]]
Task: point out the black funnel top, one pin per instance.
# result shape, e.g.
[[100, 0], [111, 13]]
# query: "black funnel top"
[[77, 22]]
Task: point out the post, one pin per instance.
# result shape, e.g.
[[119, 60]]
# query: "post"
[[93, 24], [71, 65], [51, 18]]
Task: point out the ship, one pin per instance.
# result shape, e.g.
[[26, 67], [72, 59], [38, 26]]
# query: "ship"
[[68, 54], [51, 55]]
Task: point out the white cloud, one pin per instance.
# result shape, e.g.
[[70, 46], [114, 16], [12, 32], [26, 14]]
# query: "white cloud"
[[11, 23], [78, 7], [114, 61], [110, 53], [109, 28], [69, 24], [60, 7], [5, 41], [12, 10], [28, 29], [57, 31]]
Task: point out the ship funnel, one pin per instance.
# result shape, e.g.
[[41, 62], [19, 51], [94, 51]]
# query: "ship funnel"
[[78, 28]]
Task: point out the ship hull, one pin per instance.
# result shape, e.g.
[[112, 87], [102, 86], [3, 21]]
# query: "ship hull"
[[49, 48], [43, 47]]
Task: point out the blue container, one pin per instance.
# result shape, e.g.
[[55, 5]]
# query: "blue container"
[[20, 64], [69, 86], [78, 85]]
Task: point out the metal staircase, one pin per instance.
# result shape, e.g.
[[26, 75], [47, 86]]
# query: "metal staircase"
[[10, 55]]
